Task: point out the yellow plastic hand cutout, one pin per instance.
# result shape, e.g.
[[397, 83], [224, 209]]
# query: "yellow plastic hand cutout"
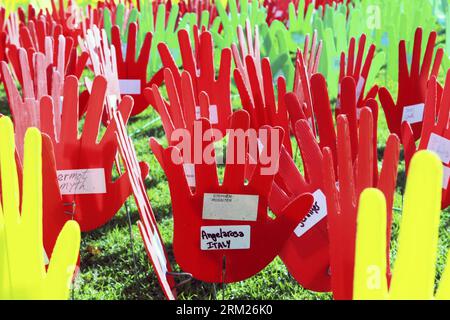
[[414, 271], [23, 274]]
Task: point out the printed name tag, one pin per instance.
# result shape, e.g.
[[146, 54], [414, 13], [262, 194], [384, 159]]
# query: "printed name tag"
[[359, 87], [225, 238], [441, 146], [213, 115], [130, 86], [413, 114], [189, 171], [82, 181], [446, 178], [315, 215], [235, 207]]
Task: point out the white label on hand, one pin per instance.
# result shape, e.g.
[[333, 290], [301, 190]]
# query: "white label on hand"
[[225, 237], [446, 177], [189, 171], [315, 215], [237, 207], [213, 115], [441, 146], [359, 87], [130, 86], [413, 114], [82, 181]]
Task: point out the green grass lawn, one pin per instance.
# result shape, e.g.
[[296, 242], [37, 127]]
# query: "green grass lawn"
[[113, 260]]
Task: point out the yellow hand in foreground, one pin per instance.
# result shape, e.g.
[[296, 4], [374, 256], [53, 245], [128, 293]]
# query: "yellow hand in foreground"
[[414, 270], [22, 268]]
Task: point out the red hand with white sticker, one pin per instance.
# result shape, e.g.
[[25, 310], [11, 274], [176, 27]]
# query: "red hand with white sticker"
[[132, 72], [247, 243], [182, 110], [199, 63], [97, 197], [412, 85], [306, 254], [435, 134], [358, 70], [260, 102]]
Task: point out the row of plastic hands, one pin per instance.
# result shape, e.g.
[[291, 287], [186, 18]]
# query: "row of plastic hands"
[[25, 276], [329, 253], [352, 150]]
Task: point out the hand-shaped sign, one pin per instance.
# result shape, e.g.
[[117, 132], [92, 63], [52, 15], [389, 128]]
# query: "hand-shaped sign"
[[412, 85], [182, 110], [413, 275], [25, 110], [147, 225], [321, 118], [22, 268], [133, 73], [306, 65], [435, 134], [306, 254], [200, 66], [85, 165], [342, 197], [260, 102], [221, 231], [104, 63], [351, 67]]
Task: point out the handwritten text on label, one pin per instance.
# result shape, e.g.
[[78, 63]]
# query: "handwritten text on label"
[[225, 237], [82, 181]]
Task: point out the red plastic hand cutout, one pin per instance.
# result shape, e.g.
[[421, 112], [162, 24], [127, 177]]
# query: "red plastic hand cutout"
[[306, 254], [200, 66], [103, 59], [412, 85], [25, 108], [306, 66], [82, 157], [182, 110], [260, 102], [133, 73], [253, 239], [323, 118], [435, 132], [342, 196], [355, 69]]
